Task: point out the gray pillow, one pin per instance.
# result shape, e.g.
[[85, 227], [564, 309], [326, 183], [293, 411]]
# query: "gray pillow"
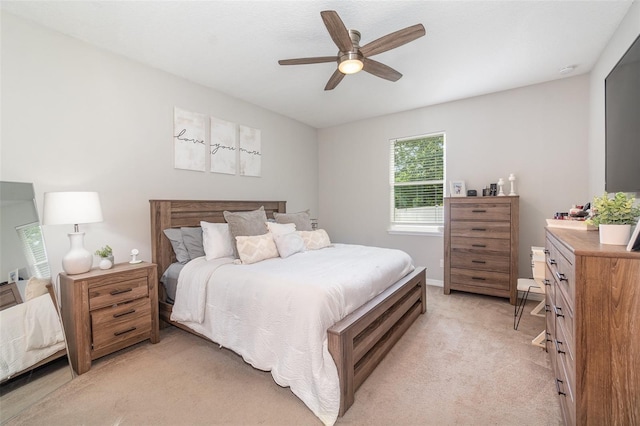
[[246, 224], [302, 220], [175, 237], [192, 238]]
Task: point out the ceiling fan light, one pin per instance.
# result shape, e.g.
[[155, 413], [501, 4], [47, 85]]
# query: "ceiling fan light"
[[350, 63], [350, 66]]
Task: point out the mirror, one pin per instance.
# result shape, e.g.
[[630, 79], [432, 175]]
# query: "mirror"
[[33, 360]]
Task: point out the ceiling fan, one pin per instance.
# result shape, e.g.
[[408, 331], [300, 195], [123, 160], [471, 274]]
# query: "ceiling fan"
[[352, 58]]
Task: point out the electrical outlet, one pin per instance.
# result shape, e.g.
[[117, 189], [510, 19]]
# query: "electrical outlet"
[[442, 263]]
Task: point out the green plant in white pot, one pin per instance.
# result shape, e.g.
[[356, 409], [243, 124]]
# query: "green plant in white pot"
[[106, 257], [614, 217]]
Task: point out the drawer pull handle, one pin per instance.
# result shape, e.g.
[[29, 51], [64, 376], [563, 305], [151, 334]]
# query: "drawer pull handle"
[[478, 278], [546, 251], [558, 314], [558, 343], [120, 333], [561, 277], [121, 314], [547, 308], [478, 261], [479, 211], [552, 262], [547, 282], [478, 229], [116, 292], [479, 245], [548, 336], [558, 381]]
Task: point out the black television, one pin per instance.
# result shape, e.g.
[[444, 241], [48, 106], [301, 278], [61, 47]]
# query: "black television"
[[622, 123]]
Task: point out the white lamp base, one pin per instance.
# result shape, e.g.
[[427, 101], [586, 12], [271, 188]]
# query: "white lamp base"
[[78, 260]]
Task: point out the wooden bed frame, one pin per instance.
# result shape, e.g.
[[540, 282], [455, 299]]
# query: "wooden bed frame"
[[357, 343]]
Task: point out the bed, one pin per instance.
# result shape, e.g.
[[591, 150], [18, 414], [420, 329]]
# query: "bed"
[[356, 343], [31, 335]]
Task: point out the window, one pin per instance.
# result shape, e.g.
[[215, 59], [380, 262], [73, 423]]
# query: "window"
[[417, 183], [33, 247]]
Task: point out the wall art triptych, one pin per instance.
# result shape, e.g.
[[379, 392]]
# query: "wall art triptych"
[[233, 149]]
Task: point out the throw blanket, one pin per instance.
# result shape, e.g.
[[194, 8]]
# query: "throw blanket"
[[276, 313]]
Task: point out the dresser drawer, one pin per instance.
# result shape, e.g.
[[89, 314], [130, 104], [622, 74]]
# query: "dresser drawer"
[[487, 230], [118, 292], [480, 245], [488, 279], [122, 322], [563, 313], [562, 271], [566, 382], [481, 211], [484, 262]]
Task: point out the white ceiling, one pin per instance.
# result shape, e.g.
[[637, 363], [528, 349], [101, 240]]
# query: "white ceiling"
[[471, 47]]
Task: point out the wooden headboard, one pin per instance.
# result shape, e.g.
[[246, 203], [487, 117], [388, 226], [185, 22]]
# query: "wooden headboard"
[[177, 213]]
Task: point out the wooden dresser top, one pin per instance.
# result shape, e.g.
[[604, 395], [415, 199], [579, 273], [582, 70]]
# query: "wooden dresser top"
[[587, 243]]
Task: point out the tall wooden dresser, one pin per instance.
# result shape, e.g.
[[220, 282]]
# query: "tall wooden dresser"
[[481, 245], [593, 327]]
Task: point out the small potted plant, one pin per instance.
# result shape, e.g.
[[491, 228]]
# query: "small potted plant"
[[614, 217], [106, 257]]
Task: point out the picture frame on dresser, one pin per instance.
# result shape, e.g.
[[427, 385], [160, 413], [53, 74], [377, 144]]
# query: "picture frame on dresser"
[[634, 242], [457, 188]]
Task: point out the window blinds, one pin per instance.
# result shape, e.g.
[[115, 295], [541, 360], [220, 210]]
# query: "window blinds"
[[417, 180]]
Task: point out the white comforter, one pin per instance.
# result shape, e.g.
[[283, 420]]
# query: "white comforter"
[[275, 313], [30, 332]]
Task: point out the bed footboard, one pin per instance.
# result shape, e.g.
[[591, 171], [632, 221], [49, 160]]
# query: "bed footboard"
[[361, 340]]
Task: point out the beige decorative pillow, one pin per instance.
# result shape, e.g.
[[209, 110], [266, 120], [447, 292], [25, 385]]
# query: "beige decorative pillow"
[[314, 240], [36, 287], [256, 248], [302, 220]]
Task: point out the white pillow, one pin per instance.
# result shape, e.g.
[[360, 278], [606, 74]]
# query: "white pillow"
[[288, 244], [216, 240], [281, 228], [256, 248], [314, 240]]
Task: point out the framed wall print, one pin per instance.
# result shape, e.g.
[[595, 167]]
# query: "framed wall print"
[[457, 188]]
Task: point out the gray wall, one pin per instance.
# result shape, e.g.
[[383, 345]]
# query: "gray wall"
[[538, 133], [78, 118]]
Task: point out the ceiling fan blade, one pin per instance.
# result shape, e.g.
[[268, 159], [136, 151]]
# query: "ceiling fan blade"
[[335, 79], [337, 30], [380, 70], [304, 61], [393, 40]]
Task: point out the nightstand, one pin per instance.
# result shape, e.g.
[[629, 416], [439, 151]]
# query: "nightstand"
[[104, 311]]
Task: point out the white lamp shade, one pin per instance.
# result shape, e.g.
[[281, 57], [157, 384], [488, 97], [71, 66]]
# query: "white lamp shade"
[[63, 208]]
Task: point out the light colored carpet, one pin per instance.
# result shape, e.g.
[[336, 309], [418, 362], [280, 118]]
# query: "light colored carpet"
[[460, 364]]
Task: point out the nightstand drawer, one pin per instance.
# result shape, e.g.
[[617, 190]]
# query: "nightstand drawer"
[[122, 291], [119, 323], [481, 211]]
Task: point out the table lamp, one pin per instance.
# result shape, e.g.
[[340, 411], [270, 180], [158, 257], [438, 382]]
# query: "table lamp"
[[65, 208]]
